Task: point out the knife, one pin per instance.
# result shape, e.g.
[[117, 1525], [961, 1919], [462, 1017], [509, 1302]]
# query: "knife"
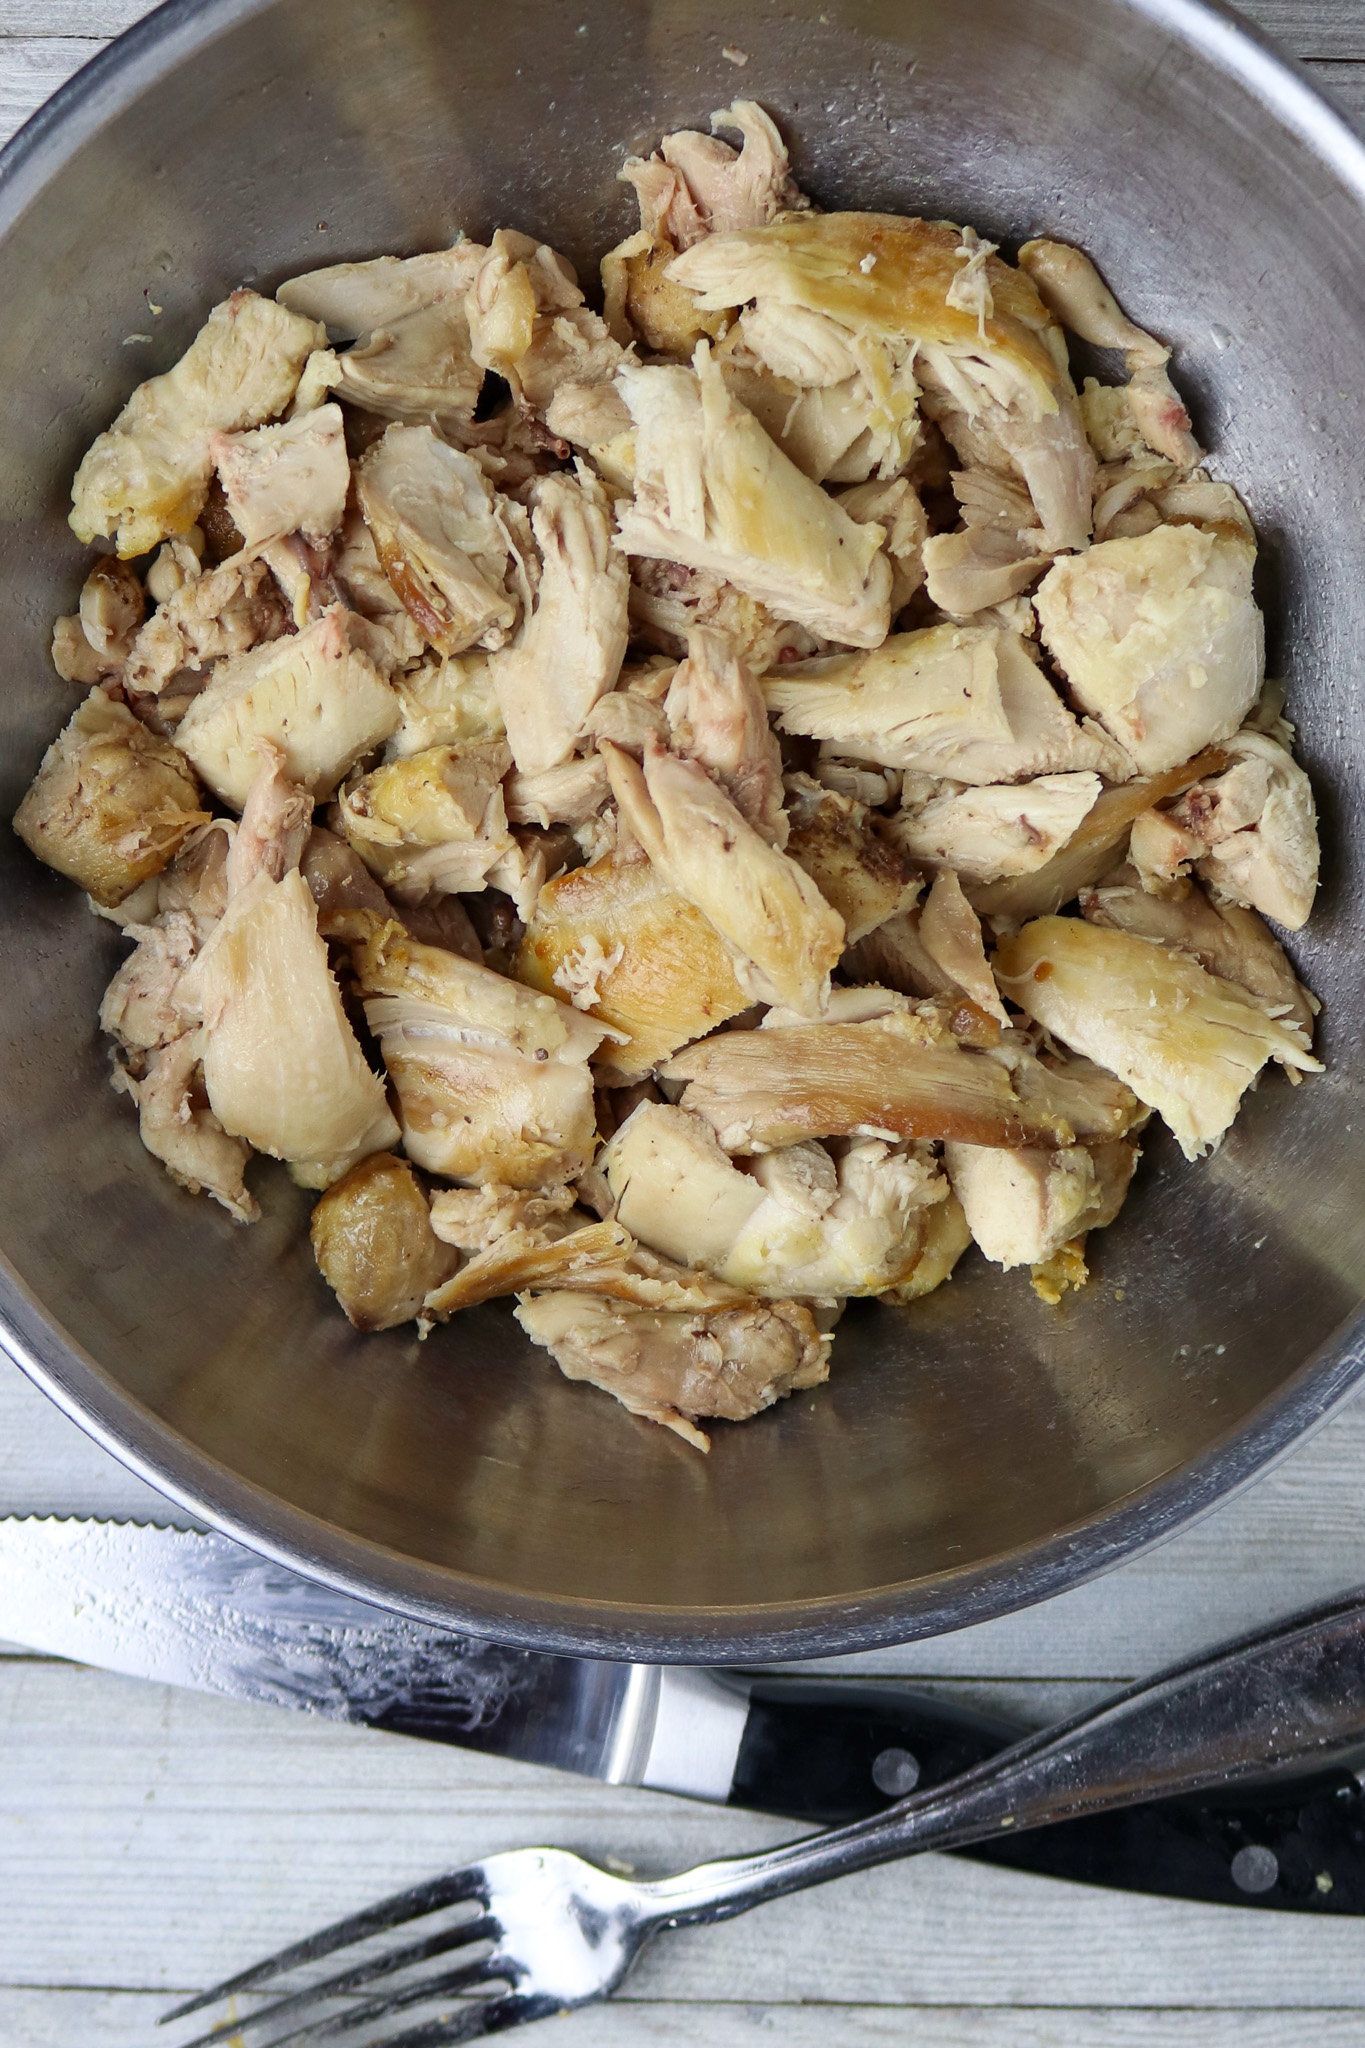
[[182, 1608]]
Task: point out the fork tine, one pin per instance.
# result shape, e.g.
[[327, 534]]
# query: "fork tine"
[[491, 2016], [464, 1936], [463, 1979], [394, 1911]]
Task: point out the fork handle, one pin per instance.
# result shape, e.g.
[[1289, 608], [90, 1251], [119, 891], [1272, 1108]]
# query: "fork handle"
[[1293, 1692]]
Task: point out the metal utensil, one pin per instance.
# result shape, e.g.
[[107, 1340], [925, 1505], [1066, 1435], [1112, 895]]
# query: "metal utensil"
[[975, 1451], [181, 1608], [557, 1932]]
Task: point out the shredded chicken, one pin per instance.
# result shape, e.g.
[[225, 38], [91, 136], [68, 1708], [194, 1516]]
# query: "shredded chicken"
[[1185, 1042], [695, 931], [674, 1368], [714, 492], [440, 538], [111, 804], [573, 645], [1159, 637], [315, 695], [147, 477], [965, 702], [374, 1244], [783, 933], [291, 478]]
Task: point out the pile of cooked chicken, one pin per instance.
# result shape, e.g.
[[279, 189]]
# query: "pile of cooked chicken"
[[752, 793]]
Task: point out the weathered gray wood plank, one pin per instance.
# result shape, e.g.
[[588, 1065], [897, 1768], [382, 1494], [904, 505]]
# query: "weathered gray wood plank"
[[155, 1839], [1310, 28], [31, 69]]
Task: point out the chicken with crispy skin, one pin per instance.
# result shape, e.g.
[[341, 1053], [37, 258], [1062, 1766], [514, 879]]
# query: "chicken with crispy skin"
[[374, 1244]]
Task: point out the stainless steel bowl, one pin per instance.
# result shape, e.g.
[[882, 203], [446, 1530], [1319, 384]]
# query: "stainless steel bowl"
[[979, 1451]]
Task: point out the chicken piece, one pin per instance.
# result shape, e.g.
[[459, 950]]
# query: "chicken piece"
[[1003, 372], [736, 191], [195, 883], [713, 492], [1159, 637], [798, 1224], [112, 607], [359, 574], [147, 477], [419, 368], [1070, 1091], [999, 551], [856, 869], [375, 1247], [1110, 427], [894, 506], [74, 659], [274, 827], [884, 1079], [178, 1127], [1006, 829], [1251, 833], [945, 1237], [523, 1260], [1089, 853], [352, 299], [1227, 939], [571, 650], [139, 1007], [965, 702], [492, 1080], [111, 803], [675, 979], [1023, 1206], [786, 937], [594, 417], [434, 821], [673, 1368], [894, 956], [835, 433], [717, 717], [346, 893], [475, 1219], [875, 788], [281, 1064], [568, 795], [450, 703], [315, 695], [950, 933], [439, 537], [529, 324], [291, 478], [224, 611], [1185, 1042]]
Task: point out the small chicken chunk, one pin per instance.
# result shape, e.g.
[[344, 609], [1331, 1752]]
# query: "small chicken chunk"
[[673, 1368], [374, 1244], [713, 492], [1005, 829], [178, 1127], [446, 703], [571, 794], [529, 324], [889, 1078], [850, 859], [314, 694], [571, 650], [999, 551], [986, 354], [950, 933], [965, 702], [1185, 1042], [111, 803], [98, 640], [1023, 1206], [147, 477], [222, 611], [438, 533], [275, 824], [434, 823], [284, 479], [419, 367], [717, 716], [352, 299], [1159, 637], [1251, 833], [281, 1064], [673, 978], [1226, 938], [492, 1080], [139, 1006], [786, 937]]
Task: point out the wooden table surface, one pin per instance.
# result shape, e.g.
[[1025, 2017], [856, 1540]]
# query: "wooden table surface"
[[153, 1840]]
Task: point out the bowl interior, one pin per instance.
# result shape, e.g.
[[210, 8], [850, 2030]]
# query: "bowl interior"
[[979, 1448]]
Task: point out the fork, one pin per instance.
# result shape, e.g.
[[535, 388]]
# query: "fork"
[[557, 1932]]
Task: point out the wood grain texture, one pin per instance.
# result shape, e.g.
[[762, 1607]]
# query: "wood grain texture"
[[150, 1840]]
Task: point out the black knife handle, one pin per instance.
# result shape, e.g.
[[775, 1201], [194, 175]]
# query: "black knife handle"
[[827, 1752]]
